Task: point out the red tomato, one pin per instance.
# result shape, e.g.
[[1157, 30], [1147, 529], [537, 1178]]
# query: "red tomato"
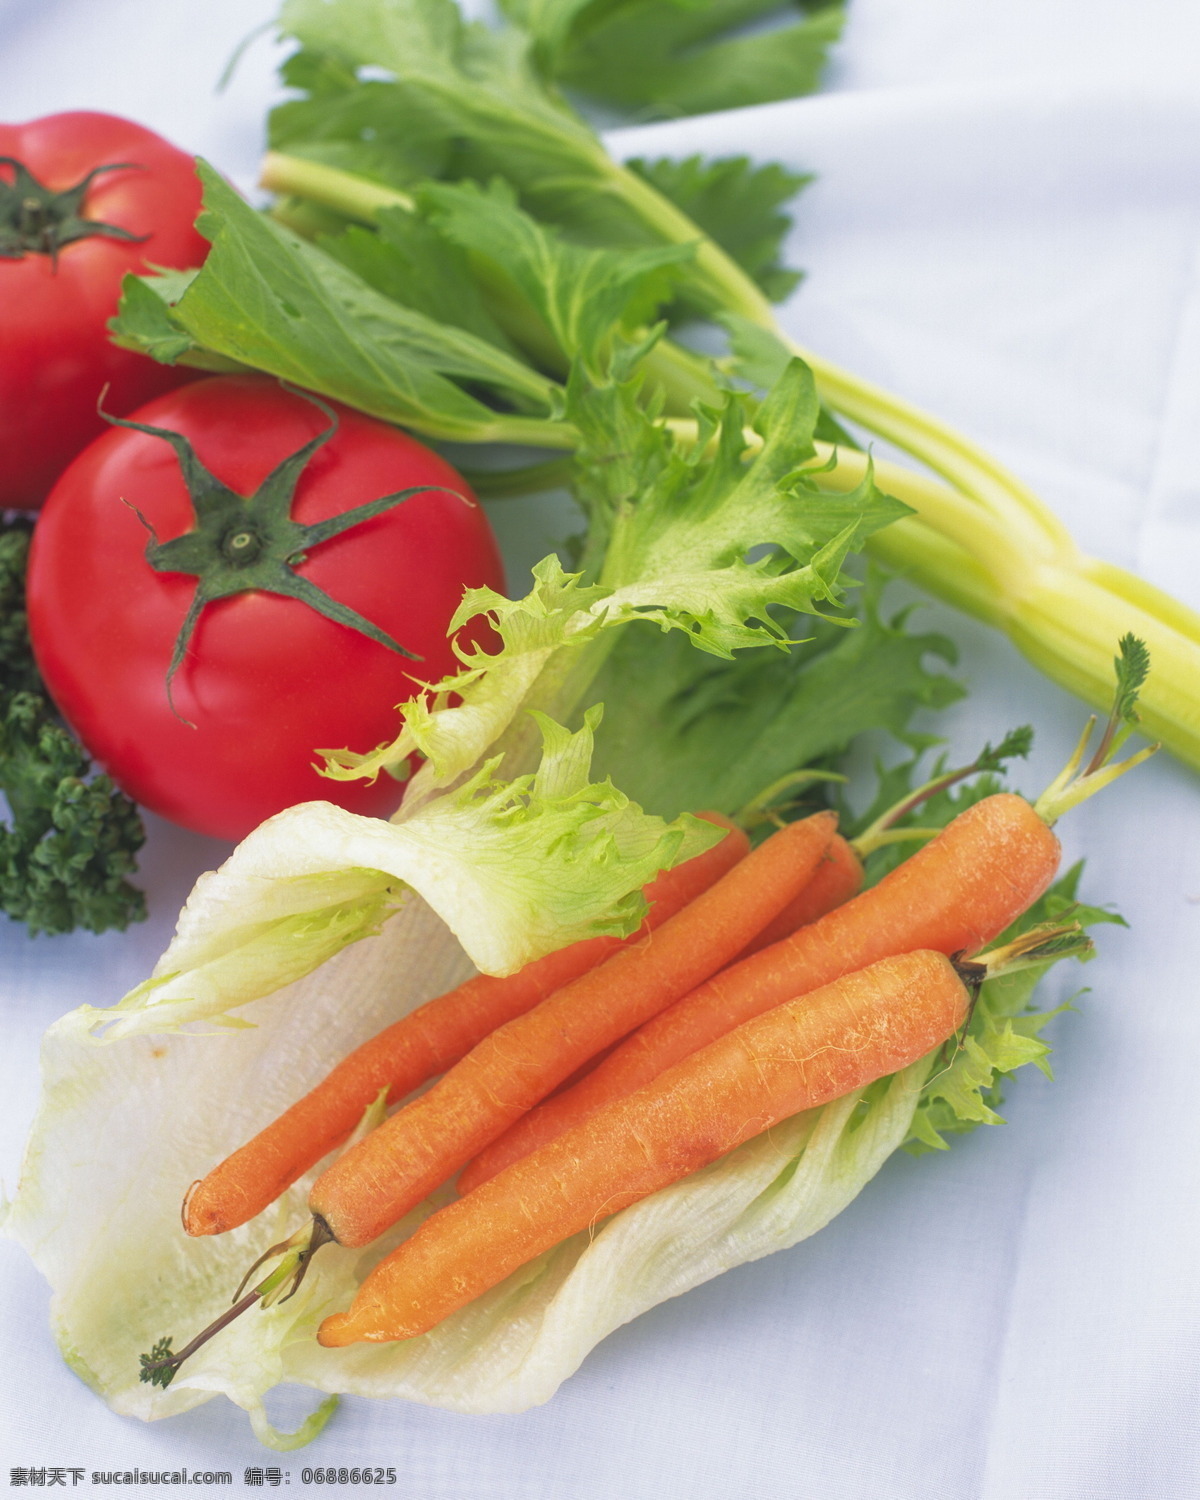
[[55, 354], [266, 680]]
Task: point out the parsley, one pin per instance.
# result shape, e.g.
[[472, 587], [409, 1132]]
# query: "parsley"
[[70, 837]]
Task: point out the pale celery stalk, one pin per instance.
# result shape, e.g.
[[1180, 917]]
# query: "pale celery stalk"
[[982, 542]]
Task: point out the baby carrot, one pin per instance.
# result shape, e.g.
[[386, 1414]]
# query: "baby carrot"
[[838, 877], [840, 874], [393, 1168], [797, 1056], [956, 893], [416, 1048]]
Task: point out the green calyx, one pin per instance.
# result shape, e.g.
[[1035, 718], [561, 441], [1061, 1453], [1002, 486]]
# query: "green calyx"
[[243, 543], [35, 220]]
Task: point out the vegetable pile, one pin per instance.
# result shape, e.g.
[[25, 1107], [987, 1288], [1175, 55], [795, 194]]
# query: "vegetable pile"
[[451, 236]]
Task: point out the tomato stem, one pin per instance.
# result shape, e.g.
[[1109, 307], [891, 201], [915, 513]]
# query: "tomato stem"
[[36, 220], [244, 543]]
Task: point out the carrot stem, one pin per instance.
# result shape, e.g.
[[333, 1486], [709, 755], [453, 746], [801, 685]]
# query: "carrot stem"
[[160, 1366]]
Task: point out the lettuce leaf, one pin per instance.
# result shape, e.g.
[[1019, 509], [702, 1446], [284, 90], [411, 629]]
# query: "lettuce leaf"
[[514, 869]]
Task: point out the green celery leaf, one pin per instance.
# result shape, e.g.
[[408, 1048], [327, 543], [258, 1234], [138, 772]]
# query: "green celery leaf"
[[664, 58], [582, 294], [368, 127], [475, 86], [739, 205], [410, 261], [144, 323], [271, 300]]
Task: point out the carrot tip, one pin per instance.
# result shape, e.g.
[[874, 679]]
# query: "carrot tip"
[[190, 1224], [337, 1332]]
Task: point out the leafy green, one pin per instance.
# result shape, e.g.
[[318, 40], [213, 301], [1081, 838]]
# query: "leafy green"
[[672, 525], [473, 88], [411, 262], [486, 111], [724, 730], [514, 868], [18, 674], [368, 127], [739, 205], [70, 838], [966, 1088], [663, 57], [585, 295], [268, 299]]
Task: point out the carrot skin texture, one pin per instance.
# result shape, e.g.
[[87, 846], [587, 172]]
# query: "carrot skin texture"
[[799, 1055], [838, 877], [393, 1168], [951, 895], [419, 1046]]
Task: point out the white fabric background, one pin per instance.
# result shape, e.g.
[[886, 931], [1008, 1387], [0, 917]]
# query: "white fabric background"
[[1005, 229]]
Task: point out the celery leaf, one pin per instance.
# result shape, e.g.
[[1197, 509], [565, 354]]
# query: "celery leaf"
[[662, 58], [268, 299], [738, 204]]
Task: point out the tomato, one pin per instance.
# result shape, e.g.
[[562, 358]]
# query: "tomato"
[[265, 680], [55, 355]]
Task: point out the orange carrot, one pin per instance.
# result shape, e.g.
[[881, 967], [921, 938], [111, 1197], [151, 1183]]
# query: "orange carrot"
[[956, 893], [798, 1055], [838, 877], [416, 1048], [393, 1168]]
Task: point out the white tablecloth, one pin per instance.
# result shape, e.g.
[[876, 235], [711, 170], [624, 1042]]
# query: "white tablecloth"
[[1005, 229]]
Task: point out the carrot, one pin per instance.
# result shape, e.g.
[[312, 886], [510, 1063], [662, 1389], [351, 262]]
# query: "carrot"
[[393, 1168], [416, 1048], [838, 877], [953, 895], [795, 1057]]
